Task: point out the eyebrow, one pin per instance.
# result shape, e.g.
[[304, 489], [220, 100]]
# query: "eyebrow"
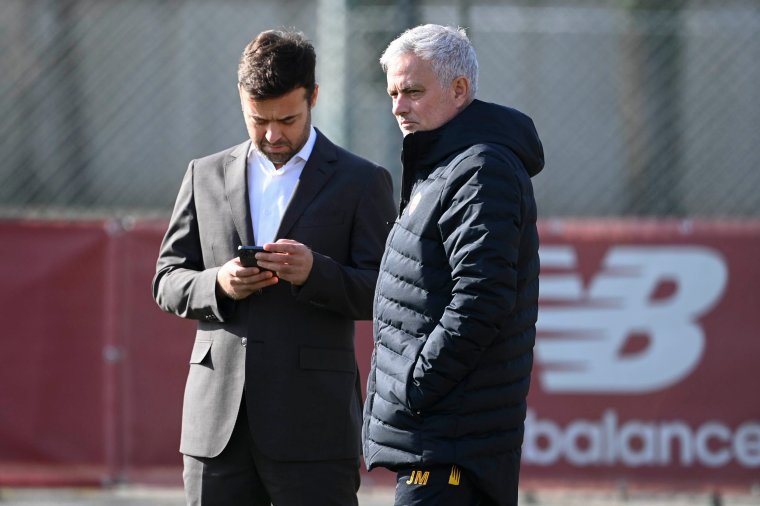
[[284, 118], [406, 88]]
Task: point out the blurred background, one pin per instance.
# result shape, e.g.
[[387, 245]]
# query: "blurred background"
[[645, 107], [649, 111]]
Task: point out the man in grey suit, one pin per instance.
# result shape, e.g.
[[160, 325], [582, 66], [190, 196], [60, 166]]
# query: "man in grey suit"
[[272, 408]]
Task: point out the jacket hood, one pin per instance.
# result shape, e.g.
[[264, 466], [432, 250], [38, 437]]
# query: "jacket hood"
[[479, 123]]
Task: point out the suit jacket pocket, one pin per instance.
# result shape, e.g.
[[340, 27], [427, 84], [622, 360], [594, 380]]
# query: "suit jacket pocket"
[[328, 359], [201, 350]]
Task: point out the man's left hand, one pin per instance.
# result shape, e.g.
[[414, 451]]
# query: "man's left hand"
[[289, 259]]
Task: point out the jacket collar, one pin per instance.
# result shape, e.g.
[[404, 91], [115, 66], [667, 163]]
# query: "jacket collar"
[[318, 169], [236, 186]]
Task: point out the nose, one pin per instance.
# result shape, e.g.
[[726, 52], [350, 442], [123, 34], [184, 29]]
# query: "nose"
[[273, 133], [400, 105]]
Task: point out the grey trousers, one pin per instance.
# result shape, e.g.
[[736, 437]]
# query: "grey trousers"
[[242, 476]]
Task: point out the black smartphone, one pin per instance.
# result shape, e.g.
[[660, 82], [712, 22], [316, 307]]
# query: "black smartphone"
[[247, 255]]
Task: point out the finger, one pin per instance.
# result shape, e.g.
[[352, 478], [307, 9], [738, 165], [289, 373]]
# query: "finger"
[[293, 265], [277, 269], [284, 246], [275, 261], [262, 258], [246, 272], [262, 276], [245, 282], [244, 290], [265, 283]]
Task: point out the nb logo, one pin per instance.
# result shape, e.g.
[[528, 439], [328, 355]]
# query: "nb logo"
[[455, 476], [634, 326], [418, 478]]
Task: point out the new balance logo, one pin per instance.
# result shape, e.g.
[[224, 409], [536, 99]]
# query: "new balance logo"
[[418, 478], [455, 476], [585, 325]]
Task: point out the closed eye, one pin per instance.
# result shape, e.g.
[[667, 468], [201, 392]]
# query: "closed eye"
[[289, 120]]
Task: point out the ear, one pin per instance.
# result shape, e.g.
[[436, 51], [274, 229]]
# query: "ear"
[[313, 99], [460, 88], [243, 95]]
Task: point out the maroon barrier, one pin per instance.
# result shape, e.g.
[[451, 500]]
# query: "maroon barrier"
[[647, 353], [55, 294], [645, 359], [156, 352]]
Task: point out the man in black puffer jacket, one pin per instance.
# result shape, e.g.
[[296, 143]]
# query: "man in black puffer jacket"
[[456, 300]]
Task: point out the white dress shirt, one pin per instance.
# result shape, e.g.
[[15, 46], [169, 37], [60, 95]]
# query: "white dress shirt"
[[270, 189]]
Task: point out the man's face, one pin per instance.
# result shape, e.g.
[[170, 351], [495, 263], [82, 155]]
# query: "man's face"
[[278, 127], [420, 103]]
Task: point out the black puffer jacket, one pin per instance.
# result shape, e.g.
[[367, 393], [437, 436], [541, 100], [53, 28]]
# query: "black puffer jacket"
[[456, 298]]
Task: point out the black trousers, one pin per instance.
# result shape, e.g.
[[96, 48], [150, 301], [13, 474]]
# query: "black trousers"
[[242, 476]]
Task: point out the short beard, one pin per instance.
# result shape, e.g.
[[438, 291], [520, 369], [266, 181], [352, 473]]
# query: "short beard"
[[284, 157]]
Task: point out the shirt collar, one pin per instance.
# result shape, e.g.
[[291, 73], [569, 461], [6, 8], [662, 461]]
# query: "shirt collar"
[[308, 146]]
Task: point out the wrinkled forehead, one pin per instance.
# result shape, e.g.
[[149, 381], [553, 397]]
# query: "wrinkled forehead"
[[409, 70]]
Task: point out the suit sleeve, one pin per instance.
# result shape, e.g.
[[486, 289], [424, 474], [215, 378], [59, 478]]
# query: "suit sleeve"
[[182, 285], [481, 231], [349, 289]]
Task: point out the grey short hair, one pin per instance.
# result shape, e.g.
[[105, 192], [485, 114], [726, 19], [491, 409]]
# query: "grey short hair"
[[447, 49]]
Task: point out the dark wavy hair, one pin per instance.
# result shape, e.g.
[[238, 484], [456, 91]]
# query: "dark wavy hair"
[[275, 63]]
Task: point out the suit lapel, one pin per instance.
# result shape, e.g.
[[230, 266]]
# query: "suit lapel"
[[315, 174], [236, 185]]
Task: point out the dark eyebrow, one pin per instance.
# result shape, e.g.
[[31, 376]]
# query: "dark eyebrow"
[[286, 118]]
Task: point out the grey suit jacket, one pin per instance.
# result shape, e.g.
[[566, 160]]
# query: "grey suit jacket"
[[289, 348]]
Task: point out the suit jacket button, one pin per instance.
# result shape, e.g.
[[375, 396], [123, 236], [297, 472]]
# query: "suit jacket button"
[[244, 341]]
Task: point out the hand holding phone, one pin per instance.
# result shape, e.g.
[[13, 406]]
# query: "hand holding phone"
[[247, 256]]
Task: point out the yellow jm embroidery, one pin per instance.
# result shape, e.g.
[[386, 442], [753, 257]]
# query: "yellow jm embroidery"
[[418, 478]]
